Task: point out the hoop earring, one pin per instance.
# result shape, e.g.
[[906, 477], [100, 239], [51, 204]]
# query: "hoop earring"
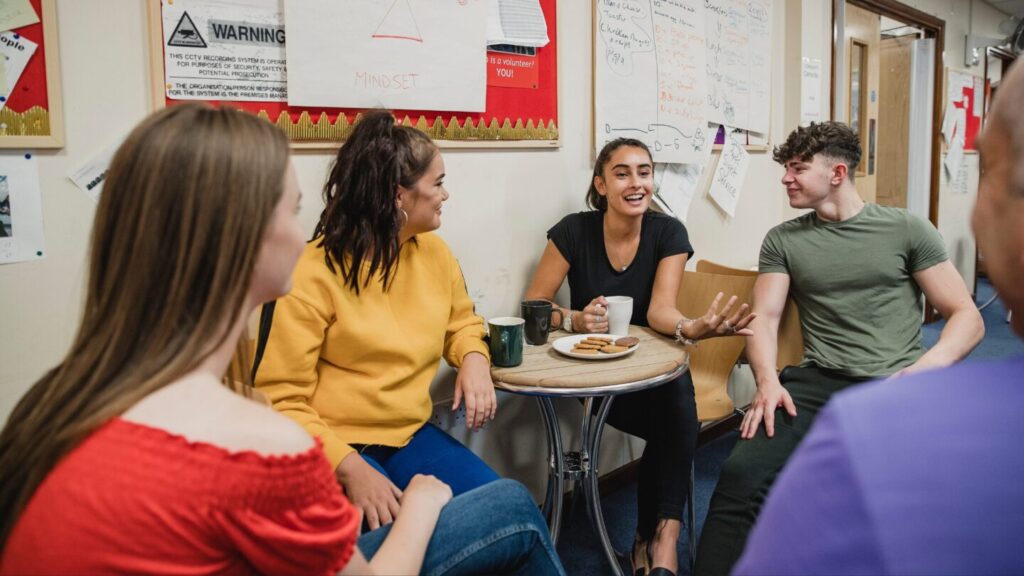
[[405, 217]]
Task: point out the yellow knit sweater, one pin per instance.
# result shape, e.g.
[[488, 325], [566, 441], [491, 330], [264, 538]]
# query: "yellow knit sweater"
[[357, 369]]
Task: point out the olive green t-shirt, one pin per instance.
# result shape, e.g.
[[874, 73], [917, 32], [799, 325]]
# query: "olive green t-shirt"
[[859, 305]]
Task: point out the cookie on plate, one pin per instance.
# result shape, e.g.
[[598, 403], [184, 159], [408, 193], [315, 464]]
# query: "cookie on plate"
[[612, 349], [627, 341]]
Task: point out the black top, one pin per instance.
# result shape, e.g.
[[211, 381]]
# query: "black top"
[[580, 239]]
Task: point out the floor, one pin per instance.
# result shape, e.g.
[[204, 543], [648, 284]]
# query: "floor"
[[578, 546]]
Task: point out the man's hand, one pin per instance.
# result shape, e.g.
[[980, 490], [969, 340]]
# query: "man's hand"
[[473, 383], [770, 395], [369, 490]]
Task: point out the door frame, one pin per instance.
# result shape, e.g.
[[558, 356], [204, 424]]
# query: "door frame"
[[932, 27]]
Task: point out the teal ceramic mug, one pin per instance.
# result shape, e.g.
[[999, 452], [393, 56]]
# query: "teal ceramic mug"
[[506, 336]]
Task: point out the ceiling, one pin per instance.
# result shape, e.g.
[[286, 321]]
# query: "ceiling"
[[1010, 7]]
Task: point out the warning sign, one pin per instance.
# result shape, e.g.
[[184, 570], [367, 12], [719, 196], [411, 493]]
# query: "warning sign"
[[186, 35], [243, 57]]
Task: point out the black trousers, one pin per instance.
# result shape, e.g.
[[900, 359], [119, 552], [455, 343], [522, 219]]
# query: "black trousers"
[[666, 417], [751, 468]]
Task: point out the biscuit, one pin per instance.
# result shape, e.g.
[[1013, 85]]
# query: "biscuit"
[[602, 339], [592, 345], [595, 342], [627, 341], [612, 349], [585, 351]]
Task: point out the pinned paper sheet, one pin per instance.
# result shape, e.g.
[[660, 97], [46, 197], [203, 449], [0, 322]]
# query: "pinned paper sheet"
[[675, 185], [979, 97], [91, 175], [15, 14], [516, 22], [397, 54], [16, 50], [954, 159], [730, 174], [21, 212]]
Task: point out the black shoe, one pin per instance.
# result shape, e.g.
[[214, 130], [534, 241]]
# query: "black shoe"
[[659, 571]]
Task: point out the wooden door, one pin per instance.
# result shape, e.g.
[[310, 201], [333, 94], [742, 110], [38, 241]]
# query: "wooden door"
[[862, 35], [893, 121]]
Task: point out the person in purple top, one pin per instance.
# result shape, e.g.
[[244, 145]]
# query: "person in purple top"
[[924, 475]]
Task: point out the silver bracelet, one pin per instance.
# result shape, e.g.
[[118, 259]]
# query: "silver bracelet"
[[679, 332]]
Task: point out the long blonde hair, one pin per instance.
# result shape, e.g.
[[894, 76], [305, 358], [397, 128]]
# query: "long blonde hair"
[[178, 228]]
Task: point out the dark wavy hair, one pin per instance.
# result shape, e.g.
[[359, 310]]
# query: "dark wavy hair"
[[594, 198], [361, 220], [833, 140]]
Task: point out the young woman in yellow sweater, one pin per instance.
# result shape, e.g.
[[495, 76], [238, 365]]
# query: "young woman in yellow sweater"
[[377, 301]]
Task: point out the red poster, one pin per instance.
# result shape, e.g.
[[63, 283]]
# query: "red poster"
[[512, 70]]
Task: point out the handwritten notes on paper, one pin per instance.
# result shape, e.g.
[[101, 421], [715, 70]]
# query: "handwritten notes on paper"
[[649, 79], [16, 13], [738, 62], [730, 174], [664, 68], [398, 54]]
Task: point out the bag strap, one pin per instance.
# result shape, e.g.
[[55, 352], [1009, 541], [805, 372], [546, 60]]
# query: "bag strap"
[[266, 319]]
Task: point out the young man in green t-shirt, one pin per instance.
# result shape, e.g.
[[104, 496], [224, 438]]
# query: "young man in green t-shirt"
[[856, 272]]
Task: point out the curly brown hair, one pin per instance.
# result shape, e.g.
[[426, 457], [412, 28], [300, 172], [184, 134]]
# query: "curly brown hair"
[[833, 140]]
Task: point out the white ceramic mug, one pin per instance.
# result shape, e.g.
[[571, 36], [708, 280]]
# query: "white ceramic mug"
[[620, 311]]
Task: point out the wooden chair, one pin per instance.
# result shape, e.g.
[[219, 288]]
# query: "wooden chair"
[[711, 363], [791, 337]]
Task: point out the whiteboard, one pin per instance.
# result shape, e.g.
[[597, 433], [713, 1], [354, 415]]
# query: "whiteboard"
[[663, 69]]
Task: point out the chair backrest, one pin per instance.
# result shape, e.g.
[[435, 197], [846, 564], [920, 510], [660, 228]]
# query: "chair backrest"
[[712, 360], [791, 336]]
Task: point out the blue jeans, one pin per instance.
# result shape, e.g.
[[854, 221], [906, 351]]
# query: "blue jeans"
[[494, 529], [431, 451]]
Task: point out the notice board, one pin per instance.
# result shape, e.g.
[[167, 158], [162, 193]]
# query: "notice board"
[[521, 111], [31, 116]]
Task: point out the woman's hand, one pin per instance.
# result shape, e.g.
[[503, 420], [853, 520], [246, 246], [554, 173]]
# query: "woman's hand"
[[369, 490], [428, 491], [473, 383], [714, 323], [593, 319]]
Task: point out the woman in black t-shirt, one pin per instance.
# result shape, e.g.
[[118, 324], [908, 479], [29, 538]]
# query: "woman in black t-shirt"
[[620, 248]]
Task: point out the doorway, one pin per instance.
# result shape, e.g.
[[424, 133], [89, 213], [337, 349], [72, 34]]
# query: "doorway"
[[886, 65]]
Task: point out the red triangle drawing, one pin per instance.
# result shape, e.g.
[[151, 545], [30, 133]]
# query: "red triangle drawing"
[[399, 23]]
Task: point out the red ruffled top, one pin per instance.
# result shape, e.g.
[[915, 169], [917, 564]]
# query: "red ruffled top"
[[135, 499]]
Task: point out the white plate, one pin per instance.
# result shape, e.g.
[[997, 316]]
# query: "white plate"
[[564, 346]]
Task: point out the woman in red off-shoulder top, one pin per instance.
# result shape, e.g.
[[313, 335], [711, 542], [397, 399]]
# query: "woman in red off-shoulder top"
[[132, 457]]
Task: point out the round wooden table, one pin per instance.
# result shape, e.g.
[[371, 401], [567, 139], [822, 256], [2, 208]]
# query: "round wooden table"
[[545, 373]]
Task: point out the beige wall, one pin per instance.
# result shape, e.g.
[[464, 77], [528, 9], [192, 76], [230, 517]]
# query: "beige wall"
[[502, 203]]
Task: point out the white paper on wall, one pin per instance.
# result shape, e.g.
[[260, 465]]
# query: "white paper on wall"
[[516, 22], [224, 50], [89, 177], [730, 174], [21, 210], [404, 54], [810, 90], [650, 75], [16, 13], [739, 63], [16, 51], [676, 185]]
